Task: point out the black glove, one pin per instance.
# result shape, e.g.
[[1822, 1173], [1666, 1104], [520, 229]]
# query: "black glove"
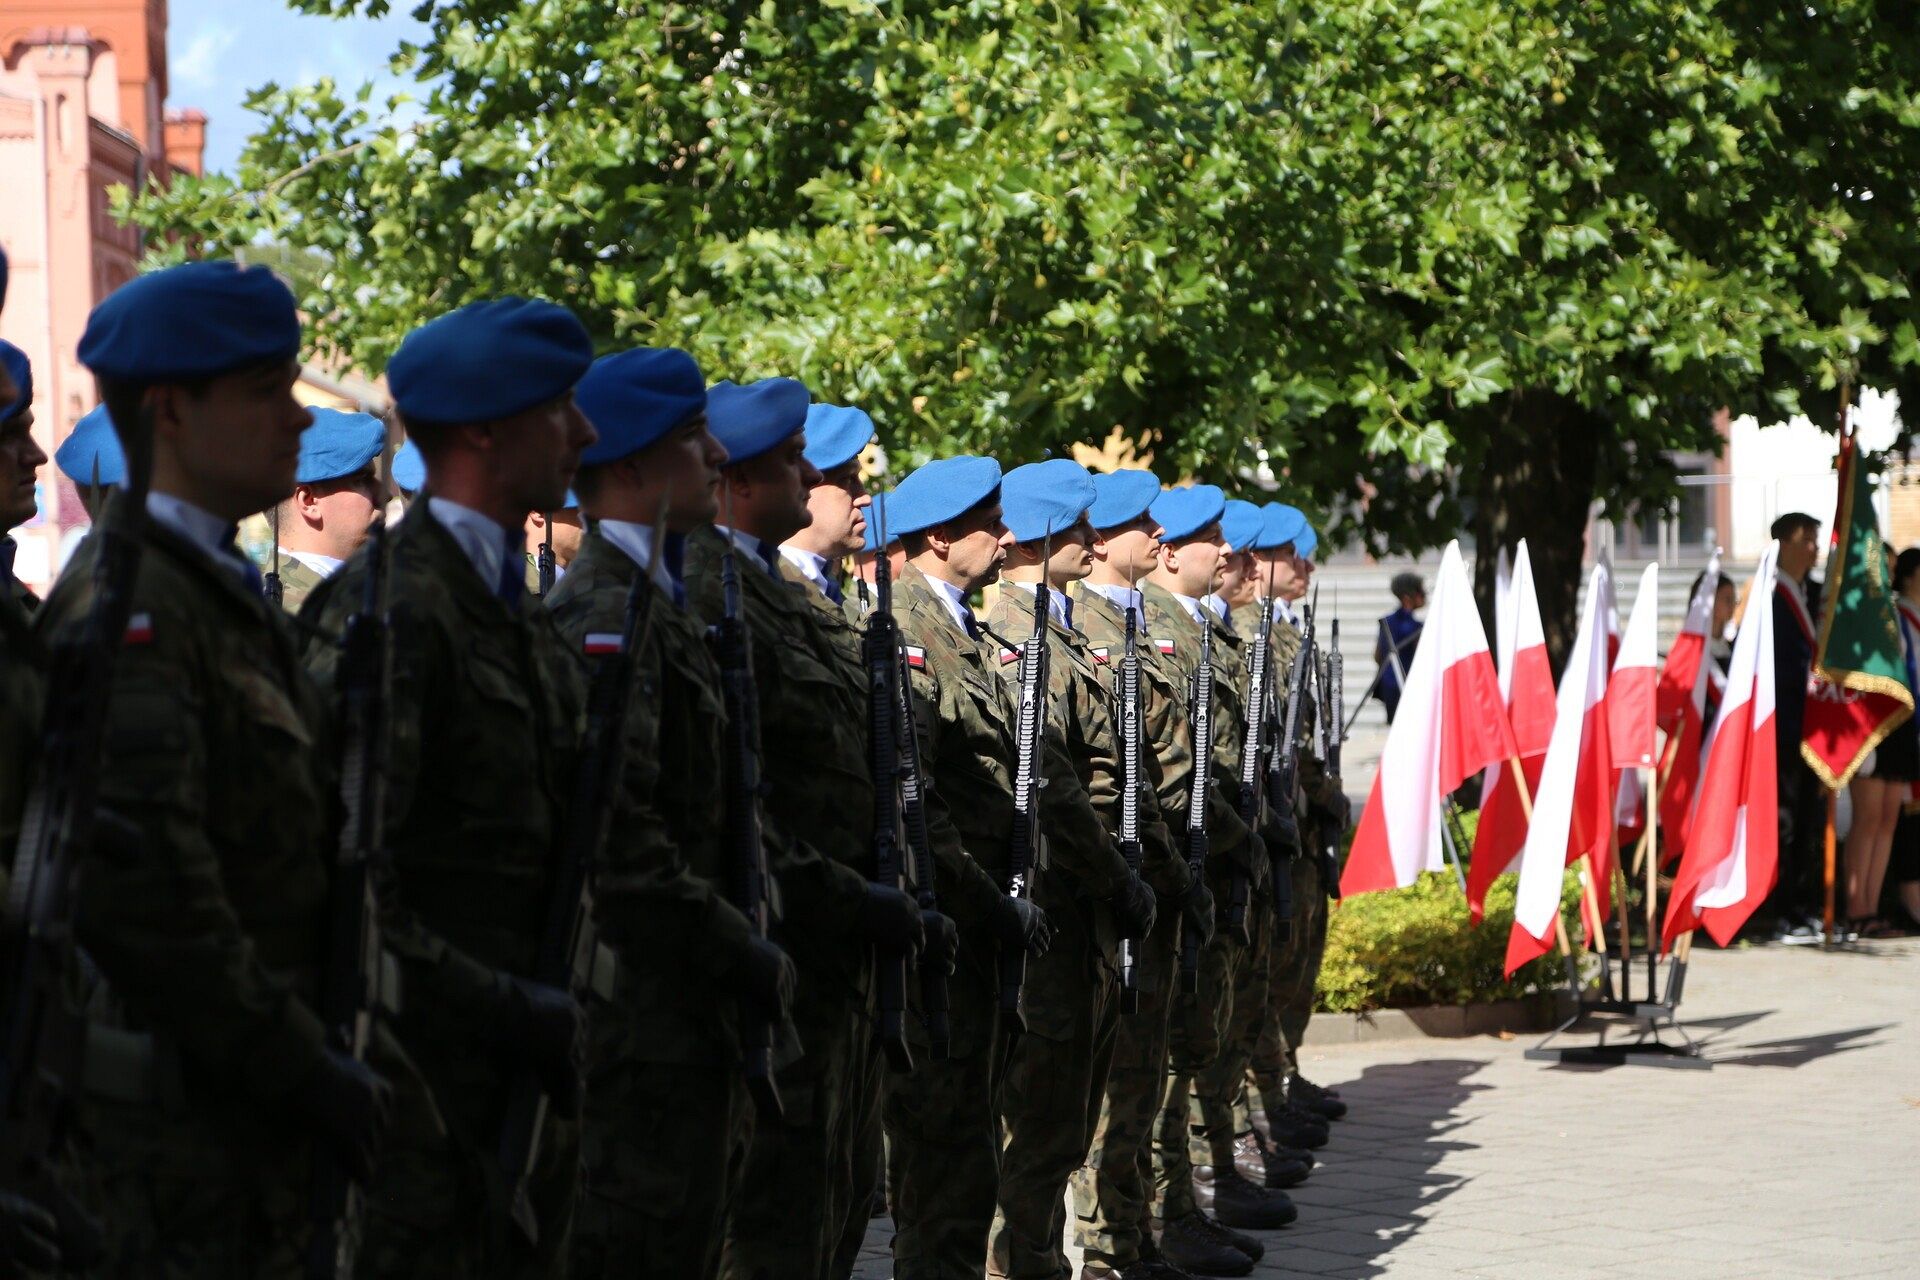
[[1024, 925], [891, 920], [542, 1027], [1197, 910], [1134, 907], [766, 978], [943, 941], [29, 1237], [348, 1104]]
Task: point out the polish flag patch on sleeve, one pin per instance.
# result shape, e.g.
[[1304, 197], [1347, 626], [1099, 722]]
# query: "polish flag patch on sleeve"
[[1008, 655], [139, 630], [601, 642], [916, 657], [1099, 654], [1164, 646]]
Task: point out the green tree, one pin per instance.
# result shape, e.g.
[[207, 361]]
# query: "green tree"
[[1436, 265]]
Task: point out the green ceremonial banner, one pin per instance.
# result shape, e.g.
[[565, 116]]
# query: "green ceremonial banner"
[[1859, 692]]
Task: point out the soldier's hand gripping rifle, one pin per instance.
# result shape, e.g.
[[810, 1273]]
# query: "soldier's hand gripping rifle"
[[43, 1050], [880, 651], [1255, 760], [571, 957], [356, 976], [1200, 716], [1026, 849], [1132, 780], [746, 846]]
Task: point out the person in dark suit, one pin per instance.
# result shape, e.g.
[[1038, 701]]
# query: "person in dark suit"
[[1796, 896]]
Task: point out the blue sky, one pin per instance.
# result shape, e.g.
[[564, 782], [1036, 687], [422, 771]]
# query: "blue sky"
[[219, 50]]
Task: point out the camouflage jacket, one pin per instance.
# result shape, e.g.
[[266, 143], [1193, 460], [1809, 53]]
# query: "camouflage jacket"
[[210, 934], [813, 756], [487, 712], [660, 897], [21, 690], [1166, 739], [297, 582]]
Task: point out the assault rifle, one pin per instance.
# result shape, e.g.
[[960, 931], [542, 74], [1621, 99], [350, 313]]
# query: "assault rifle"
[[746, 847], [1026, 848], [1255, 754], [271, 586], [1336, 738], [570, 956], [1286, 760], [546, 569], [880, 651], [352, 983], [1200, 715], [43, 1050], [934, 1007], [1132, 781]]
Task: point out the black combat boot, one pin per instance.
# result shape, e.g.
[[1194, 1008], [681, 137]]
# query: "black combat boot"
[[1239, 1203], [1190, 1245], [1291, 1125], [1315, 1099], [1274, 1168]]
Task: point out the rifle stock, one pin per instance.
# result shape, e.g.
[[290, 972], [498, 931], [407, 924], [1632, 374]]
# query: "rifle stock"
[[880, 651], [1200, 716], [1024, 850], [1132, 779]]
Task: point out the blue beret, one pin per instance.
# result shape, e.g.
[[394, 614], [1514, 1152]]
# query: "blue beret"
[[941, 490], [874, 515], [1241, 524], [750, 419], [489, 360], [1045, 497], [1121, 496], [1186, 511], [836, 434], [22, 370], [1307, 543], [92, 441], [409, 469], [633, 398], [3, 279], [338, 444], [1279, 525], [195, 320]]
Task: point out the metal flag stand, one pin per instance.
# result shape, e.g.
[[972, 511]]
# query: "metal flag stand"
[[1609, 1007]]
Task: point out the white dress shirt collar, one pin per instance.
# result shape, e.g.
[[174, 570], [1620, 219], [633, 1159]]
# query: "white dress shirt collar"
[[636, 542], [1125, 599], [325, 566], [481, 537], [955, 599], [201, 528], [811, 565]]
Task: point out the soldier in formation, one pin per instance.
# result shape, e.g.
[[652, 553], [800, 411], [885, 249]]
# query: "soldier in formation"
[[646, 834]]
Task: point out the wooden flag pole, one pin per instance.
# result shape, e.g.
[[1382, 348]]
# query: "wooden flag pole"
[[1526, 811], [1826, 911]]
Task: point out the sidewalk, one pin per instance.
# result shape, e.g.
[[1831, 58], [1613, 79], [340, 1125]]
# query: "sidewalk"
[[1798, 1155]]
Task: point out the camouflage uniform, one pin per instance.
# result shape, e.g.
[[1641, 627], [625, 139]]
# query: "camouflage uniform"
[[297, 582], [1112, 1193], [1051, 1099], [1199, 1023], [209, 935], [859, 1154], [667, 1118], [796, 1199], [487, 715], [944, 1160], [20, 698]]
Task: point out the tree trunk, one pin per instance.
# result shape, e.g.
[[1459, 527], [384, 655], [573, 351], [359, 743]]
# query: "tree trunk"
[[1535, 479]]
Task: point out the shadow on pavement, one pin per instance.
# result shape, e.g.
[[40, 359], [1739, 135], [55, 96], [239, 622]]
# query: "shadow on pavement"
[[1797, 1051], [1377, 1177]]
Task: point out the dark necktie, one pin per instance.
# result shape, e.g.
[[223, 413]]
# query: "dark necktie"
[[249, 570], [673, 551], [513, 574], [971, 623], [1066, 610], [832, 588]]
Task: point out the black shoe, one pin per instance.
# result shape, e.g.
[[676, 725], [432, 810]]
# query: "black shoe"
[[1233, 1239], [1316, 1100], [1187, 1244], [1252, 1161], [1239, 1203], [1294, 1126], [1153, 1265]]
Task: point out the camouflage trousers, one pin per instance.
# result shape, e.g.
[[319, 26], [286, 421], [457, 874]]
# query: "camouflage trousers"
[[1112, 1193], [792, 1209], [1219, 1089], [943, 1171], [1051, 1102], [1197, 1031], [1290, 992], [666, 1147], [865, 1154], [176, 1201]]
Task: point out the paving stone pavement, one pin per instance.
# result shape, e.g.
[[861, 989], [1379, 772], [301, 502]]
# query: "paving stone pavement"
[[1798, 1155]]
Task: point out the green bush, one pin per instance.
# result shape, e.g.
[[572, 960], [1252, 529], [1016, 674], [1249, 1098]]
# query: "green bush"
[[1410, 947]]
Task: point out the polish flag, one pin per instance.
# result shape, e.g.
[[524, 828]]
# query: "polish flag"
[[1573, 810], [1526, 687], [1732, 852], [1451, 724], [1680, 707], [1630, 704]]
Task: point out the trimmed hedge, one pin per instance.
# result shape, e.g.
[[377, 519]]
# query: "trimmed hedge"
[[1406, 948]]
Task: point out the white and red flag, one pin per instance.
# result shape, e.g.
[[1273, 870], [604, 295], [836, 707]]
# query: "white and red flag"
[[1680, 708], [1526, 687], [1573, 809], [1450, 725], [1732, 852], [1630, 703]]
